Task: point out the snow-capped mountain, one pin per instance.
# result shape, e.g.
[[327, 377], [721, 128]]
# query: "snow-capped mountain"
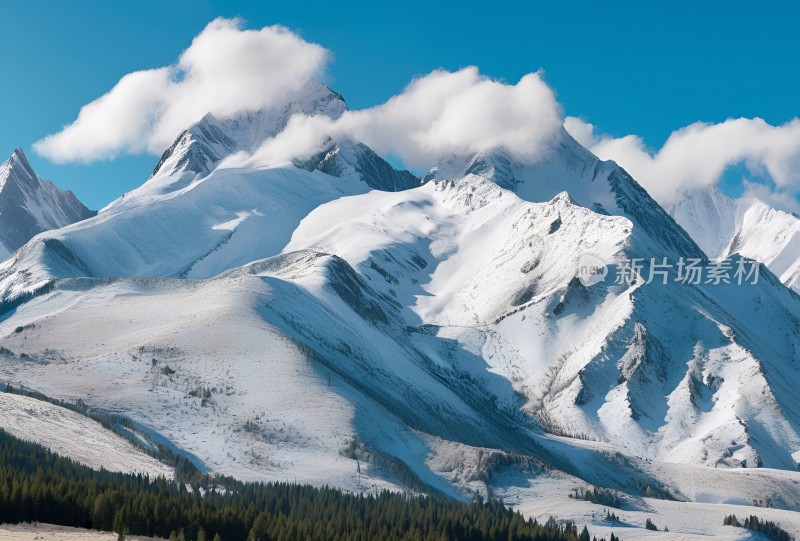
[[724, 226], [564, 166], [198, 150], [207, 222], [30, 204], [350, 324]]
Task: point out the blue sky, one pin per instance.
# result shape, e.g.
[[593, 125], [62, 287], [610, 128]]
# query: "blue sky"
[[644, 68]]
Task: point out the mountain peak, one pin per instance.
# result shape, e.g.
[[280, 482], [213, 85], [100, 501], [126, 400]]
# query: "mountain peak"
[[18, 154], [560, 164], [18, 168], [30, 205], [345, 158], [198, 149], [495, 165]]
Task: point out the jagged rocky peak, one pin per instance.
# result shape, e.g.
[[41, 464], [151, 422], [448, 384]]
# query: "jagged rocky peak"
[[18, 166], [496, 165], [557, 164], [203, 145], [348, 158], [30, 205]]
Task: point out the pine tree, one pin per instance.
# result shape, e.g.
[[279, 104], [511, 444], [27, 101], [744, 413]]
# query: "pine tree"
[[260, 529]]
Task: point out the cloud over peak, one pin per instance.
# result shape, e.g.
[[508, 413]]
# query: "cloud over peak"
[[226, 70], [437, 115], [444, 113]]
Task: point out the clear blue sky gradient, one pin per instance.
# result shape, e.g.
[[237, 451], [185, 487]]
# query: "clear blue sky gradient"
[[628, 67]]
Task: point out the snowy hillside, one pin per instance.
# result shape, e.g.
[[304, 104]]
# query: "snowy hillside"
[[334, 321], [724, 226], [30, 205], [310, 378], [663, 371], [75, 436]]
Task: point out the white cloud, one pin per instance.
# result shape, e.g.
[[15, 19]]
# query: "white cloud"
[[581, 131], [225, 70], [699, 154], [440, 114], [445, 113]]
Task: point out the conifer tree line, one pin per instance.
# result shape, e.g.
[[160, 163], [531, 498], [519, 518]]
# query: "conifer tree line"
[[38, 485], [770, 529]]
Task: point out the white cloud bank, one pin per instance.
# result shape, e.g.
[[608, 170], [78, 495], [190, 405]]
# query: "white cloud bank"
[[698, 155], [225, 70], [440, 114]]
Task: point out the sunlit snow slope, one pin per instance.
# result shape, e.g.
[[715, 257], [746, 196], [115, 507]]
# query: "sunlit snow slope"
[[75, 436], [191, 221], [690, 374]]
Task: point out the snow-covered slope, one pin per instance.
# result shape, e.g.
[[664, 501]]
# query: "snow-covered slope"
[[724, 226], [30, 205], [307, 368], [75, 436], [302, 388]]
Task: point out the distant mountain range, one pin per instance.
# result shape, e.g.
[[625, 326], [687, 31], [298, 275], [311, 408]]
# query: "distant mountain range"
[[724, 226]]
